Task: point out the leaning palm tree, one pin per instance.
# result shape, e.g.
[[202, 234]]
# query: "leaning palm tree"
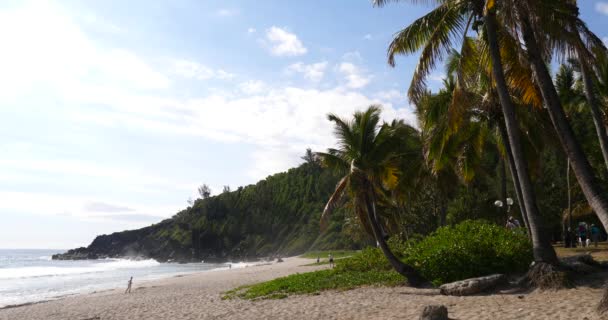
[[368, 157], [433, 35], [540, 23]]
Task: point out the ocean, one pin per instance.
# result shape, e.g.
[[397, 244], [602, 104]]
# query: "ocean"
[[30, 275]]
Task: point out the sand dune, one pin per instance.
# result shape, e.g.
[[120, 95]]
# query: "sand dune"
[[198, 296]]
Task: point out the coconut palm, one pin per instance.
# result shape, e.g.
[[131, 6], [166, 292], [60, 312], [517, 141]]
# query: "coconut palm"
[[368, 155], [540, 23], [433, 35]]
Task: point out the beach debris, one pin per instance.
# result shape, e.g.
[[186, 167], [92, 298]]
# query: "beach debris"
[[472, 286], [434, 312]]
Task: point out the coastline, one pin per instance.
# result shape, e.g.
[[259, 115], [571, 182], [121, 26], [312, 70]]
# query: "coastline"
[[198, 296]]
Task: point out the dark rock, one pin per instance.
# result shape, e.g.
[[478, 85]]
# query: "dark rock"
[[434, 312], [472, 286]]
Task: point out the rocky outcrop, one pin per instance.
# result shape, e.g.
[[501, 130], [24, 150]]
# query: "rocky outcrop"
[[472, 286], [81, 253], [434, 312], [278, 215]]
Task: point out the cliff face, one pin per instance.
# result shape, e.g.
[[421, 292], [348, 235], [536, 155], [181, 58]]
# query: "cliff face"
[[278, 215]]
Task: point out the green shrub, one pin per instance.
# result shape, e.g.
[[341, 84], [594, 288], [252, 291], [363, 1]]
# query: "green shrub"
[[469, 249]]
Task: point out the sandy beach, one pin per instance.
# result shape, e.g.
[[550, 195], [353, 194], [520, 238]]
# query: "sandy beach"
[[198, 296]]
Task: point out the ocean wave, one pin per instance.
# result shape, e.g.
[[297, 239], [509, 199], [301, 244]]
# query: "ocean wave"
[[50, 271]]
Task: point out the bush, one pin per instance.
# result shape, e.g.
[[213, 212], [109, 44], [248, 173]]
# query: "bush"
[[469, 249]]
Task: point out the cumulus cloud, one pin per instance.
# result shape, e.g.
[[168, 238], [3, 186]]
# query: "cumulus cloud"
[[354, 76], [195, 70], [251, 30], [105, 207], [602, 7], [313, 72], [284, 43], [252, 86], [224, 12]]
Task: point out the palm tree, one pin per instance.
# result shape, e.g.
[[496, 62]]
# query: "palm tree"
[[540, 23], [368, 156], [433, 35]]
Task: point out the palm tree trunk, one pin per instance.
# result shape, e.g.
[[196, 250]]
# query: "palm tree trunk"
[[596, 114], [513, 169], [503, 188], [580, 165], [543, 251], [413, 277]]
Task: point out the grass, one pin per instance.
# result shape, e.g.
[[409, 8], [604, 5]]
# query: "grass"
[[324, 254], [600, 253], [314, 282]]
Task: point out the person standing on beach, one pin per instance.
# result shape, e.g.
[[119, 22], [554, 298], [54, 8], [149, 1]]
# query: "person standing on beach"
[[129, 284], [595, 234]]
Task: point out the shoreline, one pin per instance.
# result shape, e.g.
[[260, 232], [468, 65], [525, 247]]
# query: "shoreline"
[[115, 287], [199, 296]]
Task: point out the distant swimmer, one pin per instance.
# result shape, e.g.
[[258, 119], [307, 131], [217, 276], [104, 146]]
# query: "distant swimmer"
[[129, 284]]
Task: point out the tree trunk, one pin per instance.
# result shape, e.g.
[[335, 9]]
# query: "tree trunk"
[[513, 169], [580, 165], [503, 188], [543, 251], [569, 195], [413, 277], [596, 114]]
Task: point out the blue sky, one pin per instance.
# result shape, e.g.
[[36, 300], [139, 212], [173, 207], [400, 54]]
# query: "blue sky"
[[113, 112]]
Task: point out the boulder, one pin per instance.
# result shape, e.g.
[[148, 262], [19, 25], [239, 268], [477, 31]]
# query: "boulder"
[[472, 286], [434, 312]]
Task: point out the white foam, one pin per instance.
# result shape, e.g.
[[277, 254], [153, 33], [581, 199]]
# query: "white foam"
[[107, 265]]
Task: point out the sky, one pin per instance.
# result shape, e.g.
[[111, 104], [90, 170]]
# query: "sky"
[[113, 112]]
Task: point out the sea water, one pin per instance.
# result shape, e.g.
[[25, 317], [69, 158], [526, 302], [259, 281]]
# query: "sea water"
[[31, 275]]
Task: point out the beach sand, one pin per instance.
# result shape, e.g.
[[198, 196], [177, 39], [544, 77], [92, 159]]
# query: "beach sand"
[[198, 296]]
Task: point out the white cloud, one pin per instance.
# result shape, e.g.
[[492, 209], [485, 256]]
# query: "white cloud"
[[354, 76], [352, 56], [251, 30], [390, 95], [367, 37], [253, 86], [79, 206], [602, 7], [439, 77], [224, 12], [313, 72], [195, 70], [284, 43], [605, 39], [51, 50]]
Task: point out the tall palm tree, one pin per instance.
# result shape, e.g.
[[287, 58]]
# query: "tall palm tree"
[[368, 156], [433, 35], [540, 22]]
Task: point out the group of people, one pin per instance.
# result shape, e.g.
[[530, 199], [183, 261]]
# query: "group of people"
[[583, 235]]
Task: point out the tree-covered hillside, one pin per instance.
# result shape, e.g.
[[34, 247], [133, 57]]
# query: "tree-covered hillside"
[[278, 215]]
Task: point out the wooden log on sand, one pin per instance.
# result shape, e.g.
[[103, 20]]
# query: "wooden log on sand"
[[472, 286]]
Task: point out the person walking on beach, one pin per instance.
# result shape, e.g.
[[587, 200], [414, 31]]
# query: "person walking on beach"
[[595, 234], [331, 261], [129, 284], [582, 233]]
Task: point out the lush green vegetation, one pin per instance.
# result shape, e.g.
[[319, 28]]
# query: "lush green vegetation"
[[469, 249], [323, 254]]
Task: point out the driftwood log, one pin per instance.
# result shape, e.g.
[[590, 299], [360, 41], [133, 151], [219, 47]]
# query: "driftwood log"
[[472, 286]]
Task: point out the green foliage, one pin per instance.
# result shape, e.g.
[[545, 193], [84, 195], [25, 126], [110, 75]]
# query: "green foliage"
[[313, 282], [323, 254], [469, 249]]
